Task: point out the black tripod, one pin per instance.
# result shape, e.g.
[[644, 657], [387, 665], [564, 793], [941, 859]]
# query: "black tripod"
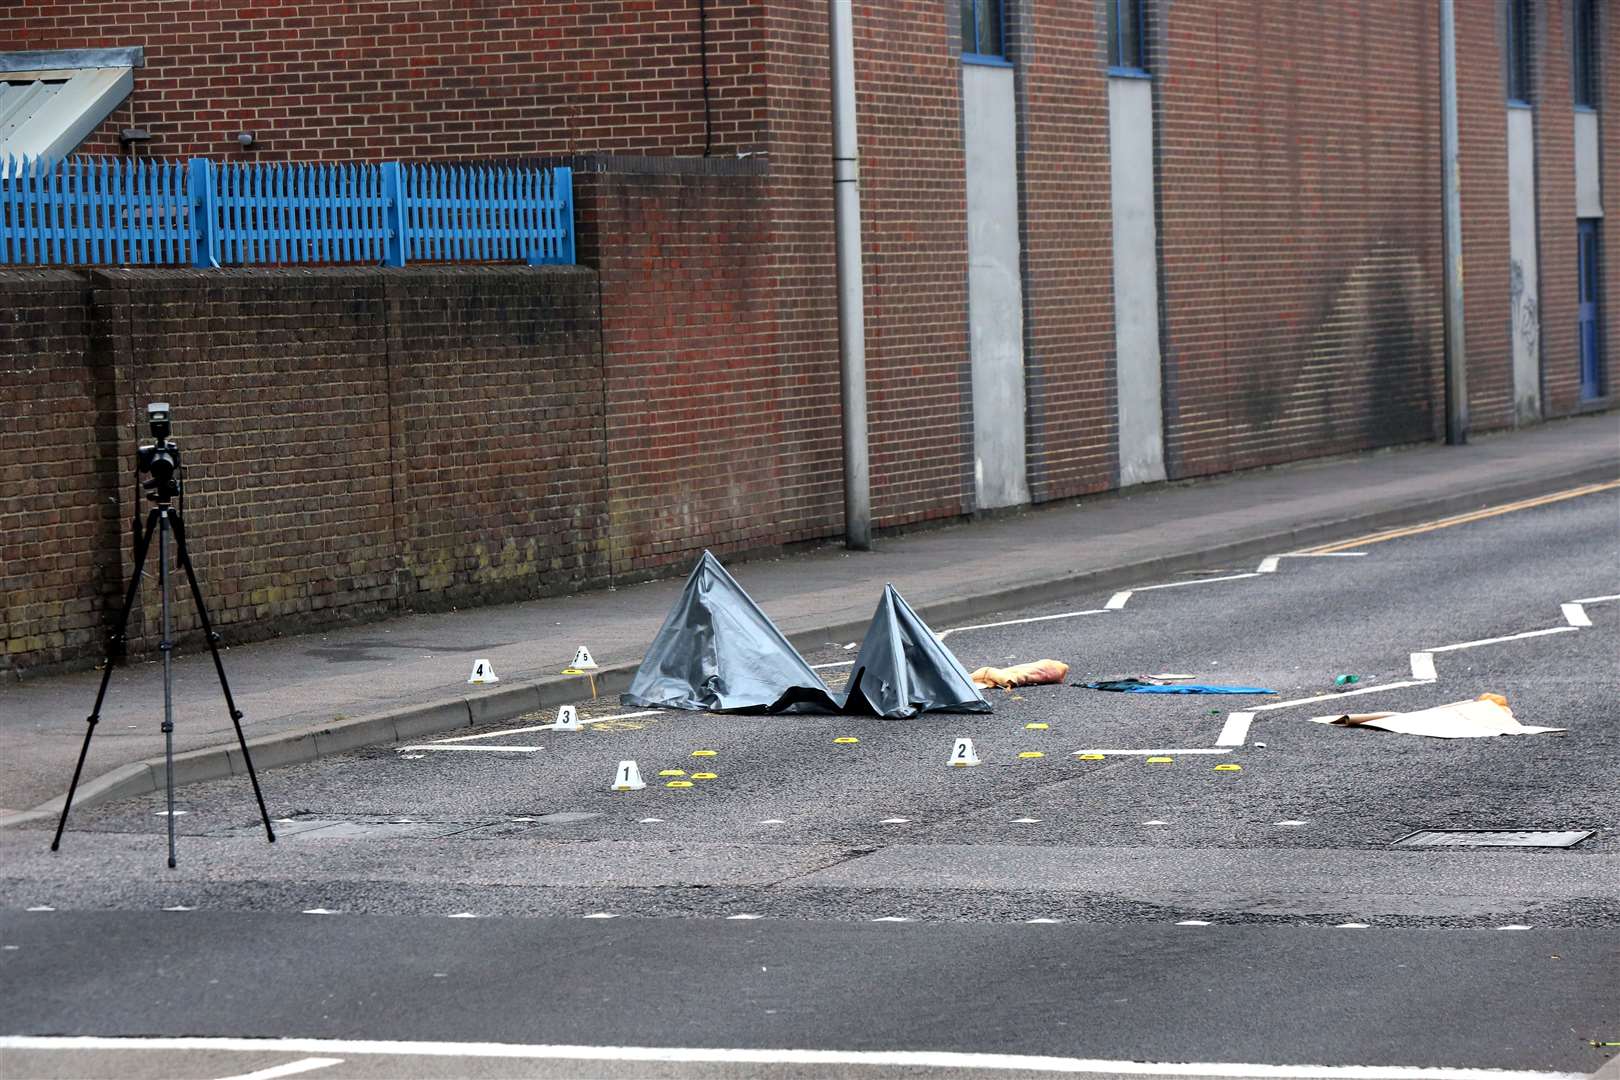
[[160, 520]]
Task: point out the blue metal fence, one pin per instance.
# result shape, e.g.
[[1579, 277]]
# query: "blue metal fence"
[[84, 212]]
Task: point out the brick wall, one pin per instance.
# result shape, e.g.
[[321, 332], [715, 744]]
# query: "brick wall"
[[1555, 209], [1066, 239], [356, 441], [57, 519], [1298, 154], [425, 78]]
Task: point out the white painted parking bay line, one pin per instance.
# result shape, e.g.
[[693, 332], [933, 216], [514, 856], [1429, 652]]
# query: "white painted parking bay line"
[[1133, 753], [1120, 599], [292, 1068], [1423, 666], [1597, 599], [486, 749], [1576, 615], [1499, 640], [1268, 565], [1236, 729], [543, 727], [847, 663], [915, 1059], [1010, 622]]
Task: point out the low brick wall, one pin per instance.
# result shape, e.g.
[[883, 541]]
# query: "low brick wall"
[[355, 441]]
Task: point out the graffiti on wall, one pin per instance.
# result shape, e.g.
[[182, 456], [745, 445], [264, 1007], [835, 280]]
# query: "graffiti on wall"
[[1526, 318]]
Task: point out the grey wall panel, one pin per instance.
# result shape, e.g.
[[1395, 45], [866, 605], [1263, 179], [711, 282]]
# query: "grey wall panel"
[[1136, 283]]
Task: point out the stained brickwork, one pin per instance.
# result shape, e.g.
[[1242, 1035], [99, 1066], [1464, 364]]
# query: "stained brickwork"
[[1559, 327], [422, 78], [1299, 179]]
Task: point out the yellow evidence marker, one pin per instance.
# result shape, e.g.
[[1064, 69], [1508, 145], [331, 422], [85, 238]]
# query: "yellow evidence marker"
[[1228, 768], [1036, 727], [1089, 757], [704, 753], [1159, 760], [673, 772], [846, 739], [1031, 754], [679, 783], [705, 776]]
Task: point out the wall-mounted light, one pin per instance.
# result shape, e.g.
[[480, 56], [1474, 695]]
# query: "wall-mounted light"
[[246, 140], [133, 136]]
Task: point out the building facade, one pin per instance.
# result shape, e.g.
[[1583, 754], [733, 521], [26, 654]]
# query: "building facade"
[[1106, 242]]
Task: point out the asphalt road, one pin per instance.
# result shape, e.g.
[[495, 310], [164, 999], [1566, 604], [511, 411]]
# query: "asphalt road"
[[1198, 912]]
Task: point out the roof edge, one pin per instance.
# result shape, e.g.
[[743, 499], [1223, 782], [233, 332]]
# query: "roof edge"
[[131, 56]]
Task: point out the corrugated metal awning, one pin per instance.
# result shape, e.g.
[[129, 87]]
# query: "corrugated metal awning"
[[47, 108]]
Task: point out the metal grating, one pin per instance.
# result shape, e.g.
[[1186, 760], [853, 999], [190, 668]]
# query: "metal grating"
[[1492, 838]]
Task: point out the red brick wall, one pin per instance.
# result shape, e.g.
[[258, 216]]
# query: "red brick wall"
[[1299, 230], [57, 521], [1067, 246], [914, 248], [356, 441], [1555, 209], [1482, 152], [697, 454], [422, 78]]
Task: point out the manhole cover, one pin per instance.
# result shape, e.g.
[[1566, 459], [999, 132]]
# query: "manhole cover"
[[1491, 838]]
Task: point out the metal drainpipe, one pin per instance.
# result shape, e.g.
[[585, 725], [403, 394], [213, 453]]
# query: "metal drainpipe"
[[1451, 204], [851, 302]]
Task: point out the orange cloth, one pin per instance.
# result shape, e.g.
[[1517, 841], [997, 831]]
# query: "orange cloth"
[[1040, 671]]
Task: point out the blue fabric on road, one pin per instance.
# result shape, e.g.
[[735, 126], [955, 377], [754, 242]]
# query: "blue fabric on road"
[[1132, 686]]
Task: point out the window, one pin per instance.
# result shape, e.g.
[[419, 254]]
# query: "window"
[[1125, 35], [981, 27], [1518, 51], [1584, 69]]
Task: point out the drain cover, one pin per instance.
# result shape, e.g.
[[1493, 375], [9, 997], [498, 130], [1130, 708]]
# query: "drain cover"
[[1491, 838]]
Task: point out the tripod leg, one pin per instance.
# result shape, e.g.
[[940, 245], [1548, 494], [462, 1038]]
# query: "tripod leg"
[[143, 541], [219, 667]]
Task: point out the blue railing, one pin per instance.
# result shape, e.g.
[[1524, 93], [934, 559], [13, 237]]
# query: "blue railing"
[[90, 212]]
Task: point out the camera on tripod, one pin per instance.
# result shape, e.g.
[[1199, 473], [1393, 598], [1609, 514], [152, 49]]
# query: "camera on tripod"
[[158, 465]]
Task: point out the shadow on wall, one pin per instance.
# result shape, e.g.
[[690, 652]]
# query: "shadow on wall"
[[1365, 372]]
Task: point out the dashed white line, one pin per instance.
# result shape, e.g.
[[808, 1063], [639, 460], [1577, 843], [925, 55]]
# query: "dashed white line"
[[735, 918], [485, 749], [895, 821], [462, 915], [1513, 926], [911, 1059], [1290, 823], [1352, 926], [320, 911], [1423, 666], [1026, 821], [1235, 732], [773, 821], [537, 727], [1597, 599], [1118, 600], [179, 907], [600, 915], [1193, 922], [40, 907], [1155, 821], [1576, 615], [1033, 922], [847, 663], [892, 918], [1268, 565]]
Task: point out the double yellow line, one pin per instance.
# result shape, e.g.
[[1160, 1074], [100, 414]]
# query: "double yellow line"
[[1463, 519]]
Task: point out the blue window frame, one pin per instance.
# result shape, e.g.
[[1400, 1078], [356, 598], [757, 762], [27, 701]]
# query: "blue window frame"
[[1517, 42], [981, 28], [1127, 38], [1584, 68], [1590, 275]]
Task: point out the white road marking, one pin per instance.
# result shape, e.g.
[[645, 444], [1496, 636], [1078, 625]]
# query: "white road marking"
[[1597, 599], [733, 918], [292, 1068], [485, 749], [165, 813], [843, 663], [1157, 753], [1032, 922], [892, 918], [179, 907], [943, 634], [651, 821], [462, 915], [1323, 554], [773, 821], [321, 911], [1268, 565], [1513, 926], [914, 1059], [1499, 640], [41, 907], [1352, 926], [540, 727], [1192, 922], [1423, 666], [1026, 821], [1235, 732], [1337, 694], [600, 915], [895, 821], [1155, 821], [1289, 822], [1576, 615], [1118, 600]]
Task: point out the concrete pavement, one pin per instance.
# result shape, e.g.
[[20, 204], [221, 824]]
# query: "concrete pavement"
[[310, 696]]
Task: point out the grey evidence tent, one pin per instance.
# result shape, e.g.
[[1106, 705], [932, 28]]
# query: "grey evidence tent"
[[903, 668], [718, 652]]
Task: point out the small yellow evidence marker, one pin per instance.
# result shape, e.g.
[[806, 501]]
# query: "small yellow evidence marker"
[[705, 776], [704, 753], [679, 783], [673, 772], [1089, 757], [1031, 754], [846, 739], [1159, 760], [1036, 727], [1228, 768]]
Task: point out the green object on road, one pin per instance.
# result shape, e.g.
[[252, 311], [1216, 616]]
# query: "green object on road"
[[1346, 680]]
